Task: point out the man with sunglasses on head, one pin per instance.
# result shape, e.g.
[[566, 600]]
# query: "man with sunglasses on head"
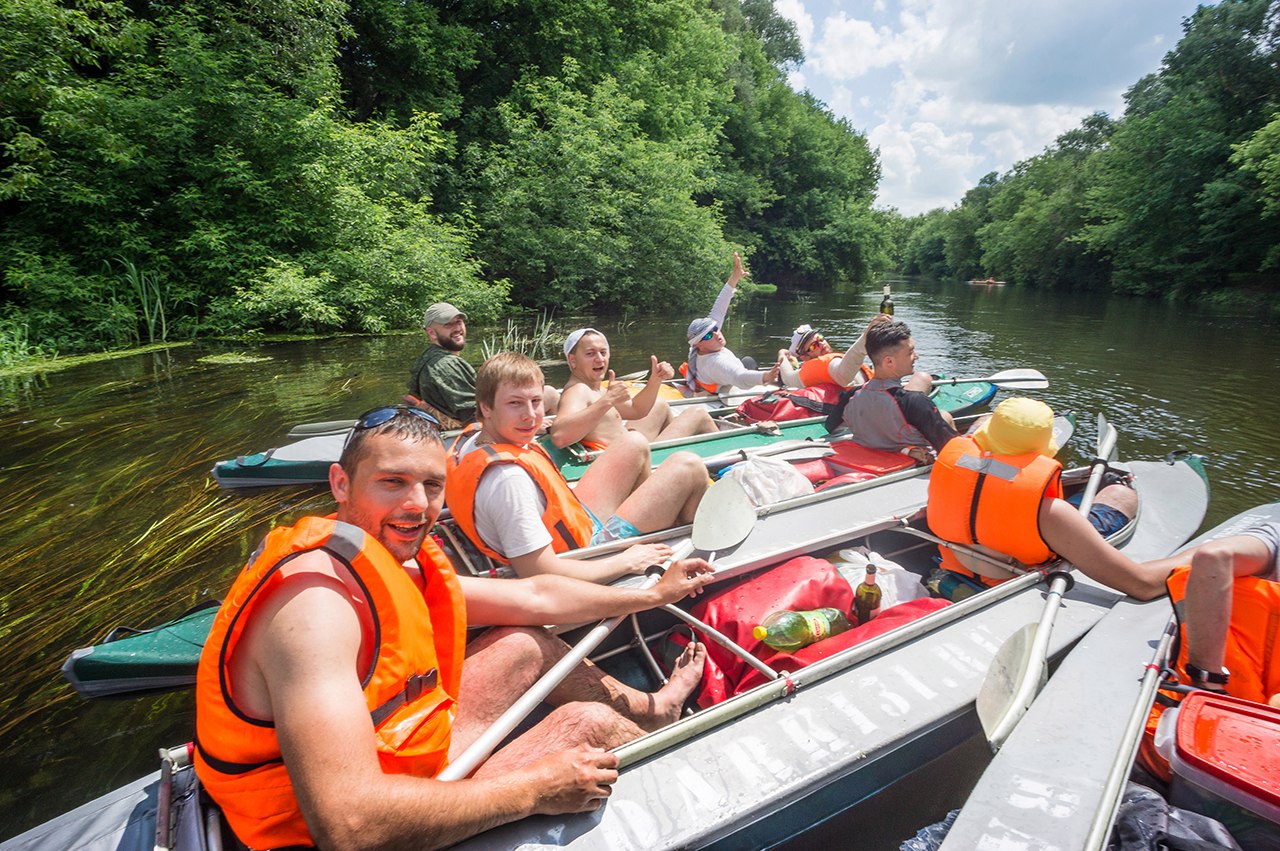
[[820, 364], [711, 366], [595, 415], [511, 500], [337, 680]]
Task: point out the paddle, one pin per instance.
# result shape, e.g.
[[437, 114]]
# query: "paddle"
[[1020, 379], [724, 518], [1017, 672]]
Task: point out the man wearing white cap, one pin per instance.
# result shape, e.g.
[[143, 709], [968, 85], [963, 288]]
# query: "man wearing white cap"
[[711, 365], [819, 364], [442, 379], [595, 415]]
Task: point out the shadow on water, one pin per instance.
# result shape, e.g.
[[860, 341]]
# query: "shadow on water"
[[109, 516]]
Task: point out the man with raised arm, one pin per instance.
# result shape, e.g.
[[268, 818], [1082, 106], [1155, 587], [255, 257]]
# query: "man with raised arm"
[[887, 414], [820, 364], [511, 500], [337, 680], [595, 415], [711, 365]]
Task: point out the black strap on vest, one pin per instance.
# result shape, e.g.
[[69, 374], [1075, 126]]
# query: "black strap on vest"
[[414, 686]]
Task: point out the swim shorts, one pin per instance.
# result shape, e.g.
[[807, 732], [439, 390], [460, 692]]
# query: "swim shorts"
[[1107, 519], [614, 529]]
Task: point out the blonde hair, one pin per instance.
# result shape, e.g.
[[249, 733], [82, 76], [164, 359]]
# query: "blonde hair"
[[505, 368]]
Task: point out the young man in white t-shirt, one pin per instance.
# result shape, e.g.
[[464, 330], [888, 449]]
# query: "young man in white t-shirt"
[[500, 505]]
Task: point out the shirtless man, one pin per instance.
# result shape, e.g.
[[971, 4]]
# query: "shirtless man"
[[595, 416], [335, 615]]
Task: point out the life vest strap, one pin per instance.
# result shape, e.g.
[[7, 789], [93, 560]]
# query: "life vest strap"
[[413, 689]]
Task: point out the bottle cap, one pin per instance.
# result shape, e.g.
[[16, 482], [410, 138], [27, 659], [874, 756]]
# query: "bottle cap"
[[759, 633], [871, 568]]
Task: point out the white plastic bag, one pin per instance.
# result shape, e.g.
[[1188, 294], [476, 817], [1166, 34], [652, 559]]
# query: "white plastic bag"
[[768, 480], [897, 584]]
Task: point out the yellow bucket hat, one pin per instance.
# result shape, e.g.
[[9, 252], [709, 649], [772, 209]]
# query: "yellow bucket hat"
[[1018, 426]]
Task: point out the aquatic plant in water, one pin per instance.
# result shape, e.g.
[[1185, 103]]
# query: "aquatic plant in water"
[[542, 344]]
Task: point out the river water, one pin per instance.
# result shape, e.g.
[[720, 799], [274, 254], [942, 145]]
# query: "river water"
[[109, 516]]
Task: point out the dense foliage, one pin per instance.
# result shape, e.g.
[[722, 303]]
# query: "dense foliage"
[[1179, 197], [186, 166]]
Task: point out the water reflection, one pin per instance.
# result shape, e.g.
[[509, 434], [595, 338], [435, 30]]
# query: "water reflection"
[[110, 518]]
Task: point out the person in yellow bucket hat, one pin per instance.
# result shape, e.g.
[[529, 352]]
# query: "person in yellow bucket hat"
[[998, 490]]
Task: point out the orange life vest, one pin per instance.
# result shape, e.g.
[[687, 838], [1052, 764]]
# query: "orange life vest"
[[817, 370], [993, 500], [1252, 655], [710, 388], [411, 684], [566, 518]]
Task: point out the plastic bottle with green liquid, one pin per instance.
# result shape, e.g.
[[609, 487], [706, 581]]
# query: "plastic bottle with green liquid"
[[787, 630]]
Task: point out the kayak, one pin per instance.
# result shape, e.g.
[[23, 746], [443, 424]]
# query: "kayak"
[[1042, 786], [821, 742], [891, 487], [307, 461]]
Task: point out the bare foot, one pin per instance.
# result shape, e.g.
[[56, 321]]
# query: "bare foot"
[[685, 676]]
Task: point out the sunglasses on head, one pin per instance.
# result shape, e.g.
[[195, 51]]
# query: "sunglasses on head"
[[707, 336], [379, 416]]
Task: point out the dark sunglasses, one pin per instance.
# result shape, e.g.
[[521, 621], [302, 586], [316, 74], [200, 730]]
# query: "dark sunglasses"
[[379, 416], [707, 336], [813, 343]]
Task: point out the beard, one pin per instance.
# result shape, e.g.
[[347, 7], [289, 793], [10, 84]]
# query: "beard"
[[448, 344]]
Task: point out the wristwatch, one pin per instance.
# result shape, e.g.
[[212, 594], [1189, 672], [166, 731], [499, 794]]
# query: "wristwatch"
[[1200, 676]]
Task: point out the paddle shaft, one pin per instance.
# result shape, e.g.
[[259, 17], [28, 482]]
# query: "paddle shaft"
[[1037, 657], [480, 749]]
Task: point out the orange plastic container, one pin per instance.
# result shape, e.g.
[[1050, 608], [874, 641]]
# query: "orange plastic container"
[[1226, 765]]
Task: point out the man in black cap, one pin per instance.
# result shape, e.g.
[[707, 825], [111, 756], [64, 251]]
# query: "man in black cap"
[[442, 378]]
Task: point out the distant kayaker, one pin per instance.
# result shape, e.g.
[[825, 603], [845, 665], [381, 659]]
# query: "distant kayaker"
[[999, 491], [819, 364], [442, 378], [511, 500], [887, 414], [329, 691], [1231, 588], [710, 364], [595, 415]]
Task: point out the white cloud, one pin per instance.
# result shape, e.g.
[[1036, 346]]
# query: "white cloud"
[[950, 91]]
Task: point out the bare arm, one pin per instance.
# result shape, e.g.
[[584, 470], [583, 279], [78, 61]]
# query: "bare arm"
[[1073, 537], [305, 653], [633, 560], [551, 599], [642, 403], [578, 414]]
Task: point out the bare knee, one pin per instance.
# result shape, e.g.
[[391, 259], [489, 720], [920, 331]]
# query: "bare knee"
[[590, 723], [1121, 498], [521, 648], [690, 468]]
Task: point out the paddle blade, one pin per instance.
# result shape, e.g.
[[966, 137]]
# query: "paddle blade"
[[1106, 439], [724, 517], [999, 708], [1020, 379]]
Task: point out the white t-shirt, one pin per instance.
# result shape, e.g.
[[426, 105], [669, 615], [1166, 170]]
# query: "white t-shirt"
[[509, 509]]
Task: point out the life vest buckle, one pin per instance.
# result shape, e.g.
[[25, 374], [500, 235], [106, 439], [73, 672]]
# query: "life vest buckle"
[[416, 685]]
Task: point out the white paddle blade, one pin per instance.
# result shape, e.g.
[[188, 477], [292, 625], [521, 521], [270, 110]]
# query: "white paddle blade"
[[997, 703], [1020, 379], [1106, 439], [724, 517]]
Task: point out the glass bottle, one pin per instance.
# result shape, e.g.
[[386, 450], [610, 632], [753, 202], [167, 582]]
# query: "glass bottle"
[[886, 303], [866, 599]]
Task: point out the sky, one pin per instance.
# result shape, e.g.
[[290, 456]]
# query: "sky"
[[951, 90]]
